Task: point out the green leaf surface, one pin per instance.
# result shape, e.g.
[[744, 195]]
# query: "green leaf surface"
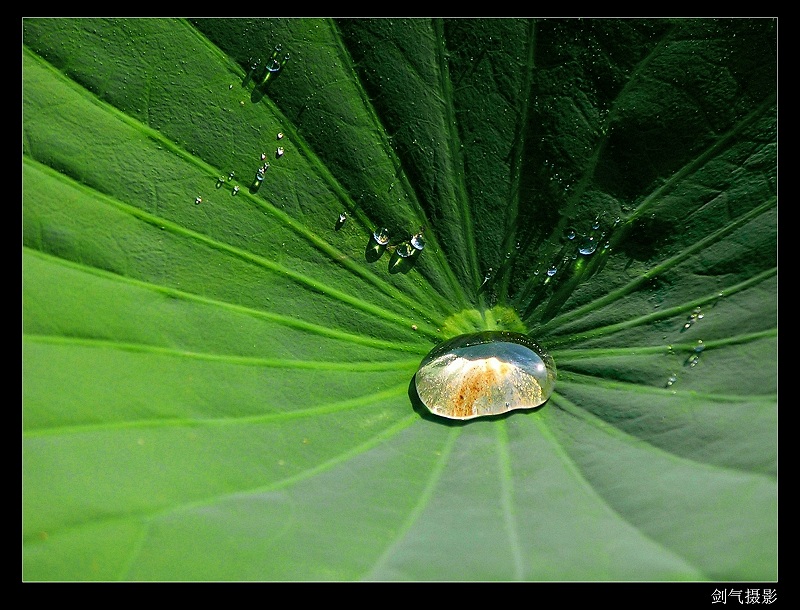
[[217, 385]]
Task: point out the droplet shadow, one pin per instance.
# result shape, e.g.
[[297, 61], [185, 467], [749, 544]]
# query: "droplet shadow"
[[374, 250], [402, 264]]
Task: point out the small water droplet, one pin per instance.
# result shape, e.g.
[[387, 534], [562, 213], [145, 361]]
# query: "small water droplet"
[[263, 156], [418, 242], [220, 181], [235, 190], [596, 223], [672, 379], [198, 200], [279, 151], [231, 176], [571, 234], [280, 135], [552, 271], [487, 276], [487, 373], [341, 220]]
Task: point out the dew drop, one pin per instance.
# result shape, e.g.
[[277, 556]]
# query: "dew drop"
[[235, 190], [418, 242], [571, 234], [279, 151], [405, 250], [552, 271], [486, 373], [273, 65], [588, 246], [672, 379], [381, 236]]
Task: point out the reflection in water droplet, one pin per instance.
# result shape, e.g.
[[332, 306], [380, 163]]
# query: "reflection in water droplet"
[[485, 373]]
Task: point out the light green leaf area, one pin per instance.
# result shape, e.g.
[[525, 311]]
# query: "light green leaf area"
[[218, 374]]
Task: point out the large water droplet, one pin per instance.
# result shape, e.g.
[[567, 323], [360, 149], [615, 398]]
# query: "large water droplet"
[[486, 373], [588, 245], [381, 236]]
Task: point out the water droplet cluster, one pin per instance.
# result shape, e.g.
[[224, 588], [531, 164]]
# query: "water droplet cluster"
[[578, 245], [696, 315], [404, 252], [260, 174]]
